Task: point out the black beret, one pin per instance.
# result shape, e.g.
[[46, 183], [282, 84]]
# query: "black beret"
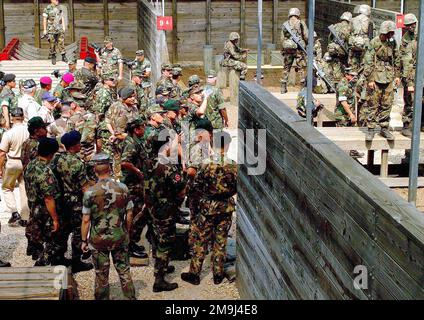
[[28, 84], [47, 146], [90, 60], [9, 77], [204, 123], [71, 138], [126, 92]]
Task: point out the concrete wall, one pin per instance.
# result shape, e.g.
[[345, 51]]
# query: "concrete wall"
[[315, 215]]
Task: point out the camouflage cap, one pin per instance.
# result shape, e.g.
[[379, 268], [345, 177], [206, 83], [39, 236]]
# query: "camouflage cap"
[[76, 85], [192, 80], [177, 71], [108, 39], [136, 123], [154, 109], [212, 74], [196, 89], [109, 75], [17, 113], [72, 60], [101, 158], [166, 66], [79, 98], [139, 53], [162, 91]]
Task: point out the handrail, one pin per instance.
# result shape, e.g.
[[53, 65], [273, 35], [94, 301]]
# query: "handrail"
[[9, 50]]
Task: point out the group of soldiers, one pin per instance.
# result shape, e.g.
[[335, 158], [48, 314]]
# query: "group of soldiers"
[[102, 161]]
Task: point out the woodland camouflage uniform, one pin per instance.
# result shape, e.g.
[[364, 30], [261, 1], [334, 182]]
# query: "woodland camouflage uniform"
[[56, 35], [345, 92]]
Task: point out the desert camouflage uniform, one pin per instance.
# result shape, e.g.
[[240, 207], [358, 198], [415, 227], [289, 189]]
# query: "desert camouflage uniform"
[[71, 173], [294, 58], [39, 183], [360, 28], [216, 180], [345, 92], [339, 58], [381, 67], [233, 58], [107, 203], [56, 35], [166, 189], [85, 123], [110, 60], [318, 49], [215, 105]]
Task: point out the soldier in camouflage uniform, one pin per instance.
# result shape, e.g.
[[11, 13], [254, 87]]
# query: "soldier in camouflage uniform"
[[345, 108], [54, 29], [134, 157], [216, 181], [119, 114], [85, 123], [215, 110], [409, 36], [71, 174], [87, 76], [111, 60], [60, 126], [107, 215], [45, 86], [292, 57], [60, 92], [301, 100], [192, 80], [234, 56], [339, 56], [381, 70], [142, 64], [46, 222], [136, 85], [317, 47], [177, 74], [166, 76], [6, 100]]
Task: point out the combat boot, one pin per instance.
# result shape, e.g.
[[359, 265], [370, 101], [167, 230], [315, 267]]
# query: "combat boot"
[[170, 269], [370, 135], [162, 285], [218, 278], [61, 261], [407, 132], [4, 264], [79, 266], [64, 59], [137, 251], [182, 220], [15, 220], [385, 133], [283, 88], [190, 278], [53, 59]]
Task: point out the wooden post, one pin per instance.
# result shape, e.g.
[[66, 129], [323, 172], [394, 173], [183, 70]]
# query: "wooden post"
[[384, 169], [174, 31], [208, 21], [243, 23], [274, 21], [2, 26], [37, 38], [370, 159], [71, 20], [105, 17]]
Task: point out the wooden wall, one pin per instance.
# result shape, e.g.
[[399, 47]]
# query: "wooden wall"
[[315, 215], [19, 21]]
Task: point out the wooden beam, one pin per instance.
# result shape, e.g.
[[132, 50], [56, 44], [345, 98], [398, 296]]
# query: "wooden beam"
[[274, 21], [2, 26], [243, 23], [71, 20], [105, 17], [208, 21], [174, 31], [37, 38]]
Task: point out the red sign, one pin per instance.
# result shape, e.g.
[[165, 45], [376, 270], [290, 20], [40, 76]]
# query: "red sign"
[[400, 21], [164, 23]]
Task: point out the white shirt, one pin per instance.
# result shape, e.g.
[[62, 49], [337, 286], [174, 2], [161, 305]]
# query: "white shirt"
[[13, 139], [30, 107]]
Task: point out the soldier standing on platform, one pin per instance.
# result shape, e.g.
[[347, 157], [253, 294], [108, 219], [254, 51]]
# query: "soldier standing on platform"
[[54, 29], [143, 64], [234, 55], [110, 60], [292, 57]]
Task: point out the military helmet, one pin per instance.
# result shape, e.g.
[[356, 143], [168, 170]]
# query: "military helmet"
[[193, 79], [234, 36], [364, 9], [294, 12], [387, 26], [410, 18], [347, 16]]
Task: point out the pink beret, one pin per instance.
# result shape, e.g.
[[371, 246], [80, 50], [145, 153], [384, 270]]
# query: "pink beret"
[[68, 77], [45, 80]]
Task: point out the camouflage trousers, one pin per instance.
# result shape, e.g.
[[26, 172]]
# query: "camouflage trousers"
[[56, 41], [380, 105], [336, 66], [74, 217], [40, 236], [139, 212], [296, 61], [355, 60], [238, 66], [206, 229], [164, 229], [121, 261], [408, 99], [363, 95]]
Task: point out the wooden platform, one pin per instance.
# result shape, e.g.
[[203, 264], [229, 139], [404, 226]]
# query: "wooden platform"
[[37, 283]]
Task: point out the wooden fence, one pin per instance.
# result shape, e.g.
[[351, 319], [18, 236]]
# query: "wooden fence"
[[316, 220]]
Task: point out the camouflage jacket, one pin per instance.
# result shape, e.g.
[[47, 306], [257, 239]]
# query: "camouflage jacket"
[[60, 92], [139, 92], [85, 123], [343, 30], [133, 152], [215, 105], [7, 99], [176, 92], [232, 52], [88, 78], [409, 62], [104, 99], [165, 83], [360, 26], [318, 49], [381, 61], [143, 66], [119, 114], [216, 181], [39, 183], [110, 60], [345, 92], [71, 174], [299, 27], [407, 39], [54, 16], [38, 94], [107, 203], [29, 151], [59, 127]]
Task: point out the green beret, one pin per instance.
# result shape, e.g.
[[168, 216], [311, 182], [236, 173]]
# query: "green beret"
[[172, 105]]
